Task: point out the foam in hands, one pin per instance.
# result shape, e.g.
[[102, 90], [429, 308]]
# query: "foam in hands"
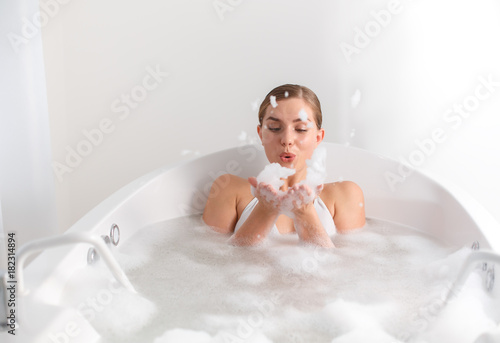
[[273, 174]]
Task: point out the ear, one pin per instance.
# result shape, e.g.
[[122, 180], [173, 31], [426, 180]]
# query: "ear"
[[259, 132], [320, 135]]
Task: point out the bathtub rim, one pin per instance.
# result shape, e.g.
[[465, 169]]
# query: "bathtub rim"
[[110, 206], [488, 225]]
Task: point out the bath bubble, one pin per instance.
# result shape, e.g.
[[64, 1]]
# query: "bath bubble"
[[242, 136], [356, 98], [316, 167], [272, 98], [316, 174], [255, 104], [383, 282], [273, 173], [491, 336], [366, 335], [286, 94], [354, 317], [183, 335], [466, 309], [310, 125], [112, 310], [126, 314], [253, 278], [303, 114]]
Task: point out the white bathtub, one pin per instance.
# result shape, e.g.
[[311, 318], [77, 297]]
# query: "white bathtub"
[[181, 189]]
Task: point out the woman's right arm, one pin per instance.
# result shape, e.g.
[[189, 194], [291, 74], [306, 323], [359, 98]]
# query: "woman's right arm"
[[262, 218], [221, 209]]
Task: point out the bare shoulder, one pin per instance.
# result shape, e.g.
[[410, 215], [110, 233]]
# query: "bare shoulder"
[[227, 183], [345, 200], [226, 195], [229, 188], [342, 190]]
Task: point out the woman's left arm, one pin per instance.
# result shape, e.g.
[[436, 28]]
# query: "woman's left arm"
[[305, 218]]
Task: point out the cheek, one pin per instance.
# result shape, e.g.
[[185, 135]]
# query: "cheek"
[[306, 140], [269, 137], [266, 138]]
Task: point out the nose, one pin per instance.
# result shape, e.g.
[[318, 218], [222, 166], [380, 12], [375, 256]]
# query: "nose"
[[287, 138]]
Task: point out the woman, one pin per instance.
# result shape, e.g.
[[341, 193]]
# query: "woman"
[[290, 130]]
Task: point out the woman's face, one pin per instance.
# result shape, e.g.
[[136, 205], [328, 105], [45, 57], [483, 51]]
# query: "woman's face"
[[289, 133]]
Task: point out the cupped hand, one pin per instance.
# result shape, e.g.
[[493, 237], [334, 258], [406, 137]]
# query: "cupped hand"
[[295, 200], [300, 198], [266, 194]]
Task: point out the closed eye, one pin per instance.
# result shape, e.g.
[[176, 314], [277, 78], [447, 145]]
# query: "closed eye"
[[274, 129]]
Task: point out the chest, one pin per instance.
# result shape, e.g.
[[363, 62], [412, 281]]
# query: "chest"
[[285, 224]]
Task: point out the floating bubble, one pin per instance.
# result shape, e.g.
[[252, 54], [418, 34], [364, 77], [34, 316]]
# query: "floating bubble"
[[255, 105], [272, 98], [356, 98], [242, 136], [303, 115]]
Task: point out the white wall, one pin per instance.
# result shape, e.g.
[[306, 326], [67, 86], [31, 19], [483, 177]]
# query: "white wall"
[[27, 198], [426, 56]]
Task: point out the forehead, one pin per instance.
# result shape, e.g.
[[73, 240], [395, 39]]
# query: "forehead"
[[288, 109]]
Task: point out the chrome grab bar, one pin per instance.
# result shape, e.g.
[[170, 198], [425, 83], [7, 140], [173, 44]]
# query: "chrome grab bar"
[[476, 258]]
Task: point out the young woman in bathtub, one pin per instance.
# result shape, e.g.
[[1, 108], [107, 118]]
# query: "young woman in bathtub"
[[288, 140]]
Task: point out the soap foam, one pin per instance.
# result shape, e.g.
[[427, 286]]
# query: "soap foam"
[[383, 283], [112, 310], [303, 114], [274, 104], [273, 174]]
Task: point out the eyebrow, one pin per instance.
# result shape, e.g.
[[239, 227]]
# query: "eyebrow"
[[278, 120]]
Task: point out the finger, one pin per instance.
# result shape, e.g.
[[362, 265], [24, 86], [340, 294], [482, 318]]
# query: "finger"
[[304, 190], [253, 181], [269, 188], [309, 191], [299, 195]]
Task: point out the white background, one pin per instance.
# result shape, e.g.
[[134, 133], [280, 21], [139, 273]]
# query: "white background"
[[223, 57]]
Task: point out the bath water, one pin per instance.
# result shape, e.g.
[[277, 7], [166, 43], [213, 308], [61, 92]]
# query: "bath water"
[[382, 283]]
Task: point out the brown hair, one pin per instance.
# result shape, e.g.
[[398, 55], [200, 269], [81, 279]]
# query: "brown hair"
[[293, 91]]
